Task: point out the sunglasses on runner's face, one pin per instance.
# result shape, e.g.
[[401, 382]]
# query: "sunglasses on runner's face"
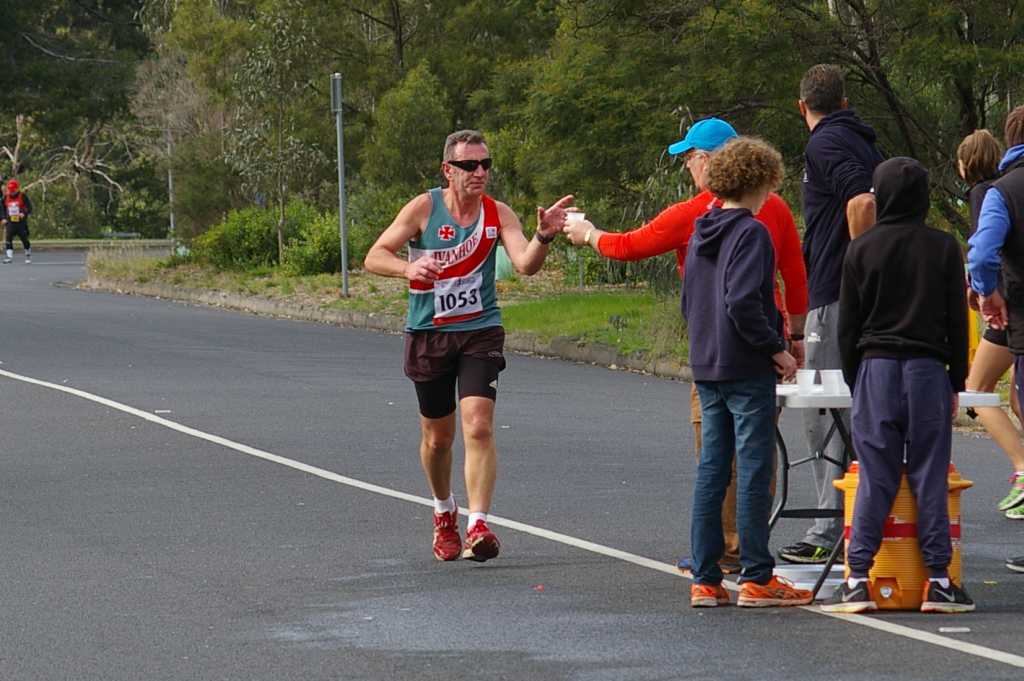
[[471, 166]]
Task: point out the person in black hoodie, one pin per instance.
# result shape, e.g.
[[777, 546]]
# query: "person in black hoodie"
[[736, 349], [838, 206], [903, 339]]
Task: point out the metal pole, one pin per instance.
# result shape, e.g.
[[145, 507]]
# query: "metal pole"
[[172, 232], [342, 227]]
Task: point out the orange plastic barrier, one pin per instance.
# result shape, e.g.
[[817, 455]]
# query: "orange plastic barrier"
[[899, 573]]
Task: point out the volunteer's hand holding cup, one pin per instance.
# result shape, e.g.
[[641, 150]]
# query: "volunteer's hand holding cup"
[[576, 227]]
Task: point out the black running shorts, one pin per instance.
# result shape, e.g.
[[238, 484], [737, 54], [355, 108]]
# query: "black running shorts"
[[996, 336], [439, 361]]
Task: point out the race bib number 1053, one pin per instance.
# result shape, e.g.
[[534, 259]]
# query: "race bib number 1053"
[[458, 297]]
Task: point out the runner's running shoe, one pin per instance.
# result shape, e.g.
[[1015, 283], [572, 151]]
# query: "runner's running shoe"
[[777, 592], [1016, 496], [447, 543], [802, 552], [1016, 564], [481, 544], [708, 595], [1015, 513], [7, 261], [949, 600], [847, 600]]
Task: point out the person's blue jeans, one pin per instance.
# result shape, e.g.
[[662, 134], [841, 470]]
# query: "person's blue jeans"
[[737, 416]]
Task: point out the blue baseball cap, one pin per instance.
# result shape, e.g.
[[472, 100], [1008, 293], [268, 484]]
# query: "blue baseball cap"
[[707, 135]]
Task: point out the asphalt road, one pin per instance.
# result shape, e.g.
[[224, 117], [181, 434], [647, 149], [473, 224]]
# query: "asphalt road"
[[134, 549]]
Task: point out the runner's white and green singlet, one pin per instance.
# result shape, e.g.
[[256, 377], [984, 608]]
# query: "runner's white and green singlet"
[[464, 297]]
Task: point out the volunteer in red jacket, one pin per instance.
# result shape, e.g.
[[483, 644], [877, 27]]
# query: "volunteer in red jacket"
[[671, 230], [16, 209]]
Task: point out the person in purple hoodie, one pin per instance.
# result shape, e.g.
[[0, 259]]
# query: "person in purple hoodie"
[[736, 350]]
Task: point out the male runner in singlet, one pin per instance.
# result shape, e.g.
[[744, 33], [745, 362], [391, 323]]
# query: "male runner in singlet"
[[454, 333]]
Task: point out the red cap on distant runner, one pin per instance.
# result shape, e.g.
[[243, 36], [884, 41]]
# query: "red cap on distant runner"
[[13, 187]]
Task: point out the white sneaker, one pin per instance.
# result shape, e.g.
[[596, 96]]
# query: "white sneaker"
[[28, 260], [6, 261]]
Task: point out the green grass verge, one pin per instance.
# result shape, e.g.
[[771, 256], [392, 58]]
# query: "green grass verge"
[[636, 322]]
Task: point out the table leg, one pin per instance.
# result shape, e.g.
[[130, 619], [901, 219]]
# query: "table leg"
[[784, 474]]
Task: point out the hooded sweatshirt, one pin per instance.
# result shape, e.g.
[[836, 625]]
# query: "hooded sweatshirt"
[[903, 288], [731, 317], [838, 162]]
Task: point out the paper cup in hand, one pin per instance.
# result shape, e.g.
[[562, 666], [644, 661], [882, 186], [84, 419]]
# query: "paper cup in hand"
[[574, 216]]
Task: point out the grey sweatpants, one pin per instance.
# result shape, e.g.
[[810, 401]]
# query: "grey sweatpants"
[[821, 351]]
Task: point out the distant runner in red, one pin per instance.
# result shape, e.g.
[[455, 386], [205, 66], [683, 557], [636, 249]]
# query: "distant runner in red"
[[671, 230], [14, 217]]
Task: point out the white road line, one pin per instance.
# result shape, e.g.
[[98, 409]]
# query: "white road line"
[[873, 623]]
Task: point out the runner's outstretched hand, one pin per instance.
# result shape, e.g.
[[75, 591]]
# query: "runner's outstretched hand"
[[550, 220]]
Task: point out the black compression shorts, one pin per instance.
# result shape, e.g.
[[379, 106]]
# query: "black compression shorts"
[[438, 362]]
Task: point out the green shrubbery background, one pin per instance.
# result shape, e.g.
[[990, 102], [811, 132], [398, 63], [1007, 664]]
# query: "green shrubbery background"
[[229, 103], [247, 237]]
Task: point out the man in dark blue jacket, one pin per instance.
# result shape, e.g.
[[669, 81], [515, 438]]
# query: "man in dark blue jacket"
[[838, 206]]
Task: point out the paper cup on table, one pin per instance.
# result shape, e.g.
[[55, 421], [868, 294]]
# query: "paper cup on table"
[[805, 380], [832, 381]]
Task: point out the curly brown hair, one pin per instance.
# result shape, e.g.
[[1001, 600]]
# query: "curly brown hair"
[[980, 153], [743, 166]]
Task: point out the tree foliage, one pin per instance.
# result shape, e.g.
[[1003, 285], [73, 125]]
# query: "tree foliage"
[[408, 124], [577, 96]]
